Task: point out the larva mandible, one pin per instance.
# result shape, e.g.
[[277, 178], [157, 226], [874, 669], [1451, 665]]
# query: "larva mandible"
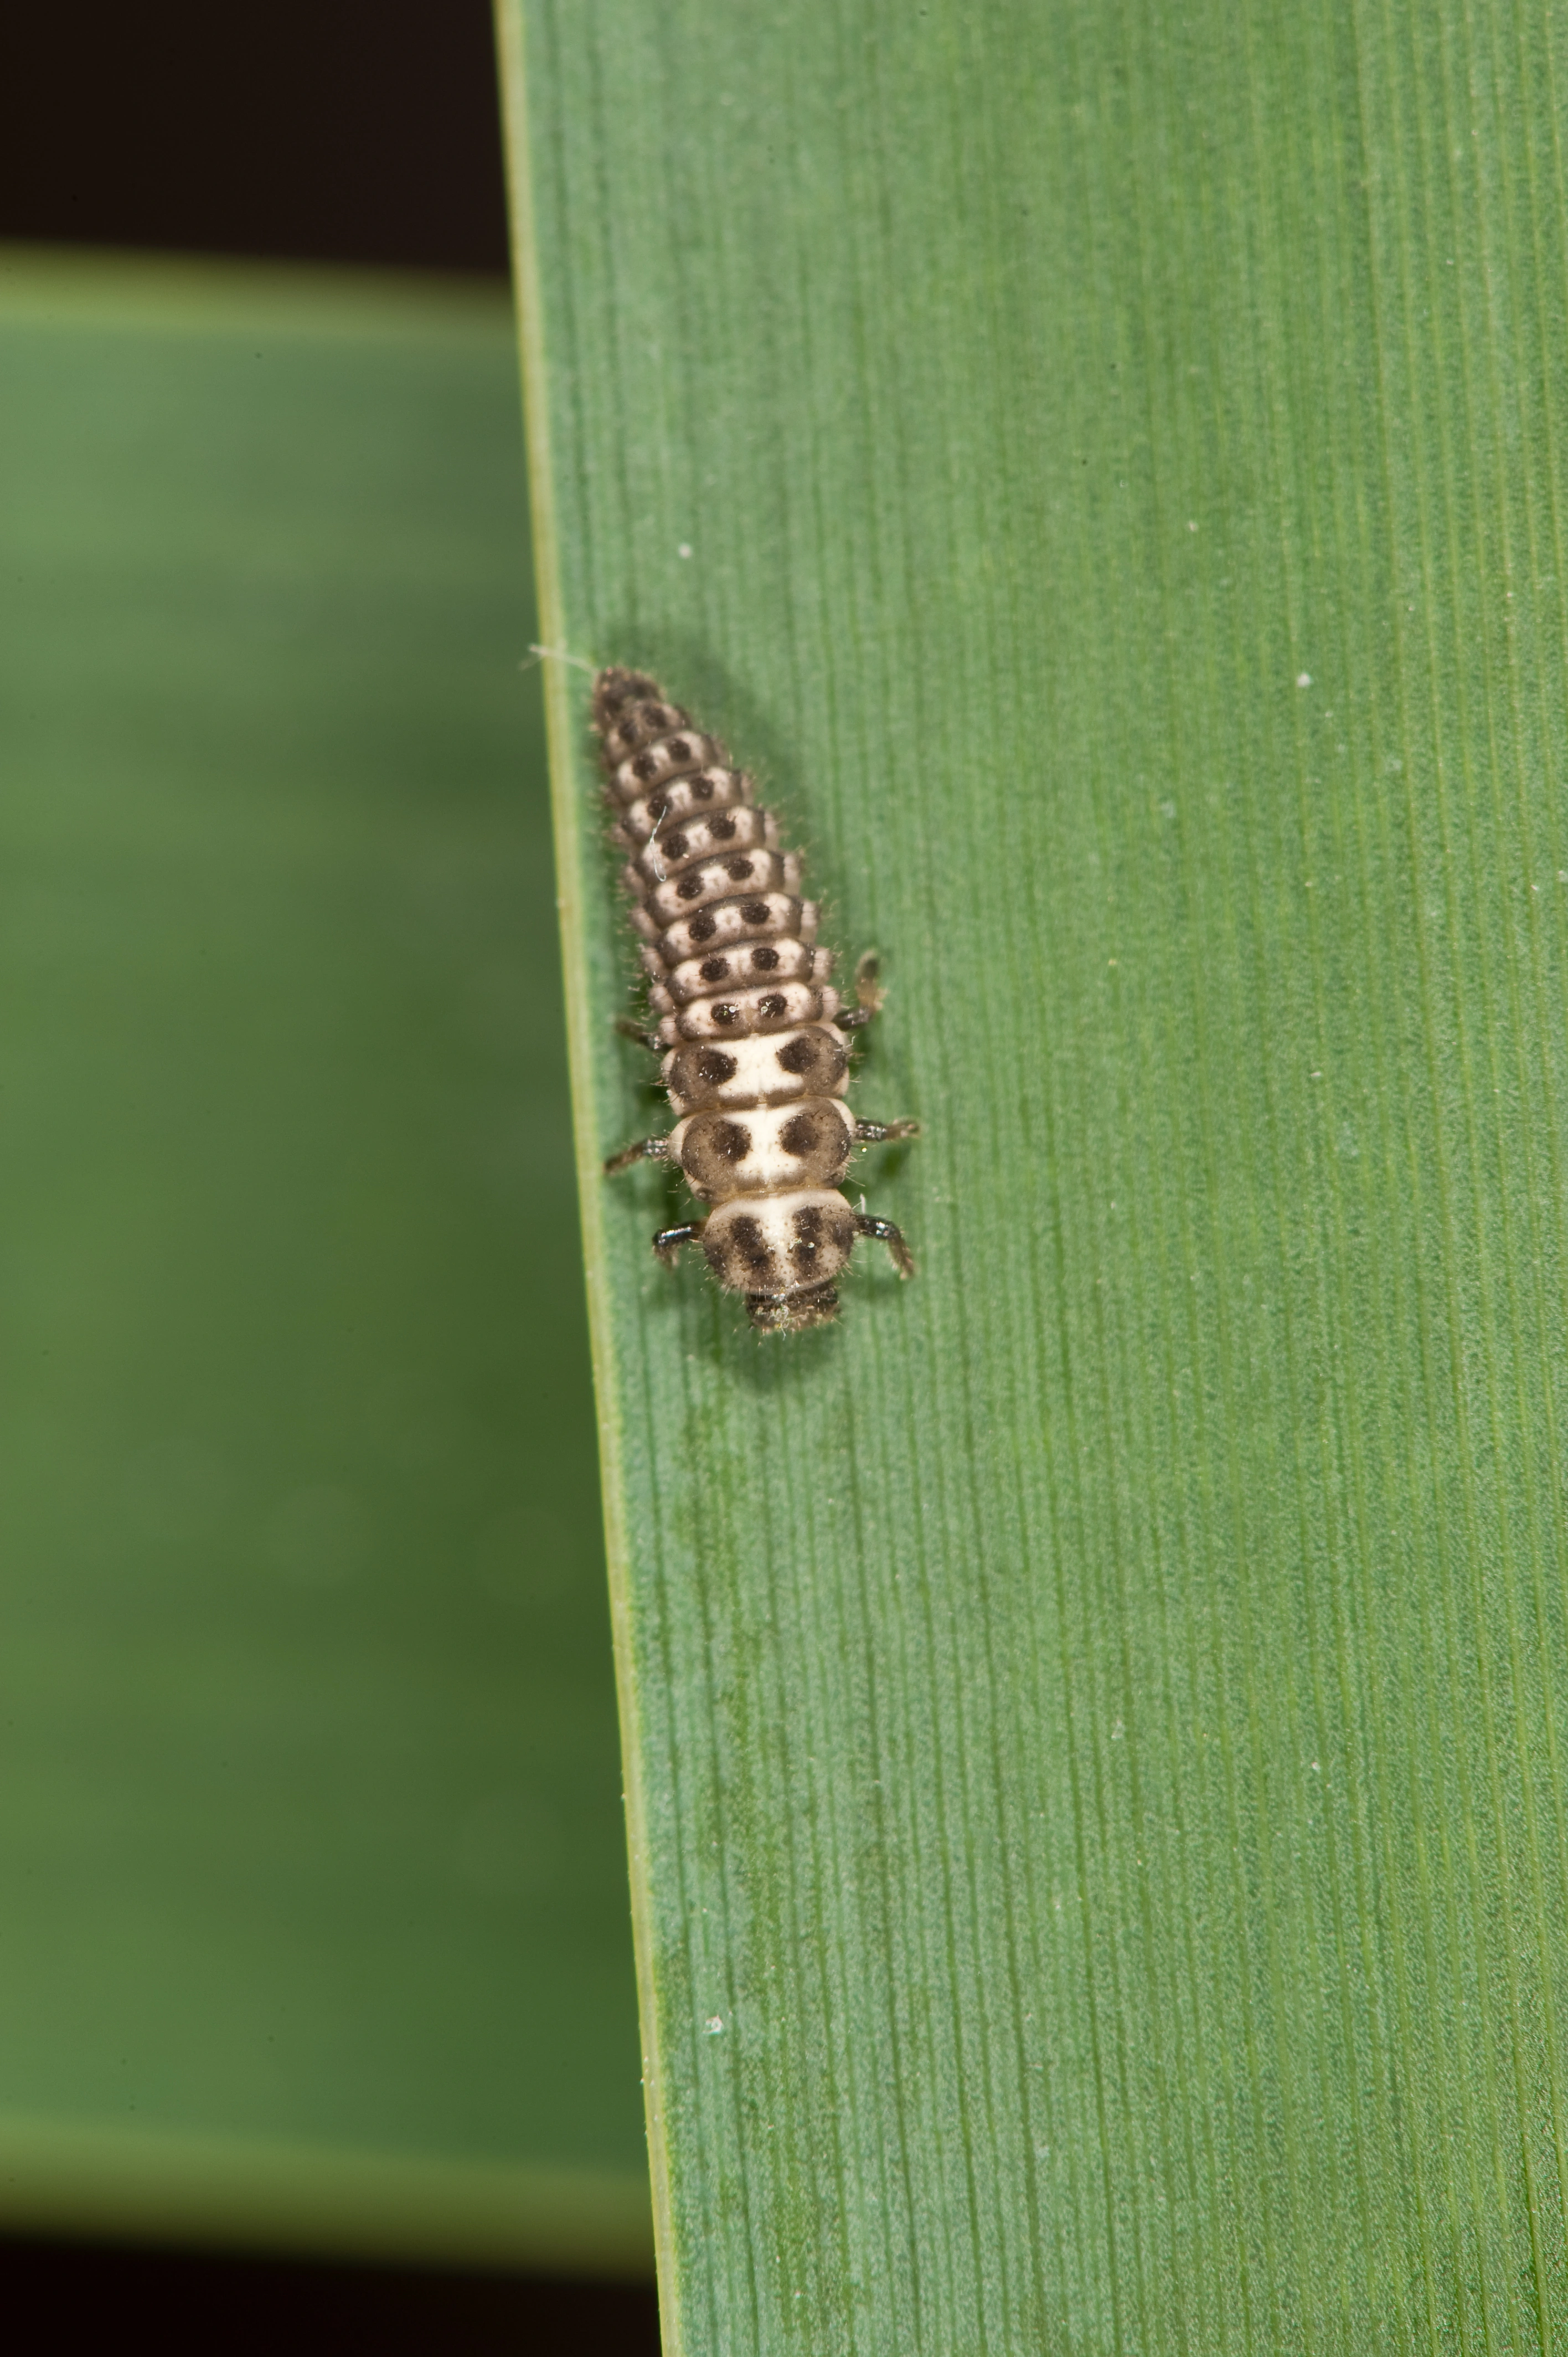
[[751, 1030]]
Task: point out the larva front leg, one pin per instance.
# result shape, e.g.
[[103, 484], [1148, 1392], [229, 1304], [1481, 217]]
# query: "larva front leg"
[[645, 1149], [877, 1133], [869, 995]]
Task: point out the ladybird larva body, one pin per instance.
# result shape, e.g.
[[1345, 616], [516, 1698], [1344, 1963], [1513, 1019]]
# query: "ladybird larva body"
[[757, 1067], [707, 795], [772, 1147], [777, 1007], [769, 917], [744, 969]]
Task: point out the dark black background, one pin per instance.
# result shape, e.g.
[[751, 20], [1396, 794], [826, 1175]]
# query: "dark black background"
[[65, 2296], [320, 130], [346, 131]]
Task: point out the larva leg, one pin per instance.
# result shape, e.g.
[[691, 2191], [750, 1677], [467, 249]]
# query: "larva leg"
[[629, 1029], [647, 1149], [877, 1133], [868, 993], [667, 1243], [883, 1231]]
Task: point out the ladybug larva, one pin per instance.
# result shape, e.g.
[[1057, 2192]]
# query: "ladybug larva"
[[751, 1031]]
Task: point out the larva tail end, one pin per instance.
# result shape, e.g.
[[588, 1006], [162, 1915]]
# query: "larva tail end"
[[792, 1313]]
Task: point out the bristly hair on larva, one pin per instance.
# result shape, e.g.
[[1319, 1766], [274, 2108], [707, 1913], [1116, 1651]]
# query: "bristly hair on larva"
[[750, 1029]]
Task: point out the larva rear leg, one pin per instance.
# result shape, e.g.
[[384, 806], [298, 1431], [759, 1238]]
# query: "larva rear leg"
[[883, 1231], [645, 1149], [868, 993], [667, 1243]]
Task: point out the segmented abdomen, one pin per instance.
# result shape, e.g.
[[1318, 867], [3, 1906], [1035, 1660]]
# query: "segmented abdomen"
[[756, 1070]]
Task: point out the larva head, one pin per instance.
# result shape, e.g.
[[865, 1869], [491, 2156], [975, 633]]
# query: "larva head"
[[779, 1249]]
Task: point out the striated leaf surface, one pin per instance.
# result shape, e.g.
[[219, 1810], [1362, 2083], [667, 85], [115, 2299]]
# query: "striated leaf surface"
[[1094, 1722]]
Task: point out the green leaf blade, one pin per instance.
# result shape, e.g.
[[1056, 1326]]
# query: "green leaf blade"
[[309, 1838], [1095, 1721]]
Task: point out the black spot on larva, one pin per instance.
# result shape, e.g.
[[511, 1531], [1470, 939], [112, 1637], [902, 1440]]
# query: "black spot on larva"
[[704, 789], [722, 828], [773, 1006], [809, 1226], [798, 1055], [676, 846], [724, 1013], [713, 1068], [689, 887], [800, 1133], [737, 870], [754, 912], [714, 969], [679, 751], [731, 1140], [645, 766], [703, 925], [658, 807], [751, 1245], [764, 959]]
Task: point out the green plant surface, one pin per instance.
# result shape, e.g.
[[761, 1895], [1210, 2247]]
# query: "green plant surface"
[[314, 1927], [1094, 1720]]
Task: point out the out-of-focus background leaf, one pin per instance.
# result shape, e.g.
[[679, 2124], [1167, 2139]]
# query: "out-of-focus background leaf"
[[312, 1926], [1097, 1770]]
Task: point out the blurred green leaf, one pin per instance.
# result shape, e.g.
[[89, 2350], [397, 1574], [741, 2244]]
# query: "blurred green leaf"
[[1095, 1721], [314, 1920]]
